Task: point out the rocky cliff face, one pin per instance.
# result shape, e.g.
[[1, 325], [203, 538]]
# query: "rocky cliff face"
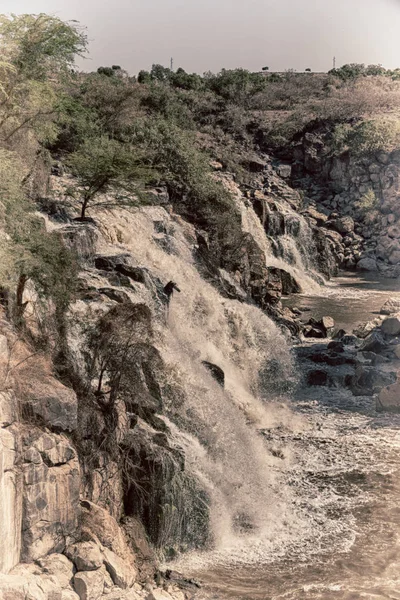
[[112, 446], [359, 195]]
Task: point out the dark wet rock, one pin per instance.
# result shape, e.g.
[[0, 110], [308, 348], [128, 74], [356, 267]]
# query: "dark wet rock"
[[367, 264], [350, 340], [374, 342], [391, 325], [378, 359], [333, 359], [289, 284], [122, 264], [215, 371], [367, 381], [313, 332], [336, 346], [317, 377], [339, 334], [321, 328]]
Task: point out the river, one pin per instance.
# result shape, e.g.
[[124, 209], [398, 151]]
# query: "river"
[[345, 474]]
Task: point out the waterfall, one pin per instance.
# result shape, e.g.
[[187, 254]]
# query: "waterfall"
[[291, 251], [218, 428]]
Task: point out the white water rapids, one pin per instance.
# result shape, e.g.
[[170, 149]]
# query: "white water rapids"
[[308, 509]]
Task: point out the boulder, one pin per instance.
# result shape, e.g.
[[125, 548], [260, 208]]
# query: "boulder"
[[391, 307], [389, 398], [86, 556], [391, 325], [99, 524], [374, 342], [24, 584], [59, 566], [367, 381], [310, 331], [327, 323], [344, 225], [367, 264], [122, 574], [317, 377], [89, 585]]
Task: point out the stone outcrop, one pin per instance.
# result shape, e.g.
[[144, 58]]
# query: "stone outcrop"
[[360, 196], [51, 484]]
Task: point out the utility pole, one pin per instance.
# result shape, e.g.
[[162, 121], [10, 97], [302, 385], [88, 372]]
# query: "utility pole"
[[334, 62], [172, 64]]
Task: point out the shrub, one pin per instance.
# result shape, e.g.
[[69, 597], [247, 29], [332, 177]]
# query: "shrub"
[[367, 205], [367, 137]]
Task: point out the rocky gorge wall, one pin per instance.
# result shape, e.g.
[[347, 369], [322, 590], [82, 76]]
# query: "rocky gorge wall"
[[113, 451], [364, 189]]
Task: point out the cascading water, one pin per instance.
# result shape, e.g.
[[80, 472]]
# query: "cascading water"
[[278, 482], [292, 253], [225, 451]]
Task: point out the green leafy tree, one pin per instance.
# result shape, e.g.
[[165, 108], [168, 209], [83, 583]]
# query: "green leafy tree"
[[103, 166], [27, 251], [38, 53]]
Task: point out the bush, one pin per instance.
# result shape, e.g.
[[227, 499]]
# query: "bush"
[[374, 135]]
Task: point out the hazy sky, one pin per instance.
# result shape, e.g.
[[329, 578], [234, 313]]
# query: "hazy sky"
[[206, 35]]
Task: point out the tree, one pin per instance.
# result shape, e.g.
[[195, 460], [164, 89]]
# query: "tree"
[[103, 166], [144, 77], [41, 45], [27, 251], [38, 53]]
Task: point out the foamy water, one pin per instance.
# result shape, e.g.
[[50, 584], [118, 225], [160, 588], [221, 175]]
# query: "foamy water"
[[303, 491]]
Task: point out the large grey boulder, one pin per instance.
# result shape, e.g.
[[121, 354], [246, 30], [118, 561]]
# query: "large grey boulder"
[[89, 585], [86, 556], [122, 574], [391, 325], [367, 264], [374, 342], [389, 398], [370, 380], [59, 566]]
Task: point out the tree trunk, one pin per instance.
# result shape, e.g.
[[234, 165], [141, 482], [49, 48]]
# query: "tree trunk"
[[83, 208], [19, 304]]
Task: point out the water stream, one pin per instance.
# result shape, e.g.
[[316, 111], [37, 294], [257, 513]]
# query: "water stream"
[[303, 486], [342, 483]]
